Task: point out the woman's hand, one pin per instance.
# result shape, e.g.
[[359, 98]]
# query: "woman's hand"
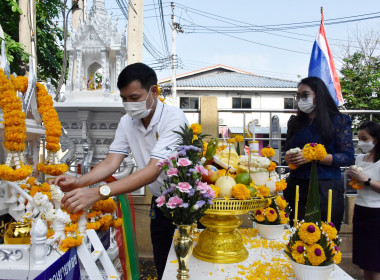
[[295, 158], [80, 199], [356, 174], [65, 182]]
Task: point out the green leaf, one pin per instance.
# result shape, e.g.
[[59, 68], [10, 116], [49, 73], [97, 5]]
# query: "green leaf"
[[313, 207]]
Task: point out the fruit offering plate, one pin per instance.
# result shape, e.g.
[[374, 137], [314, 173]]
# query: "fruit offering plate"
[[233, 206]]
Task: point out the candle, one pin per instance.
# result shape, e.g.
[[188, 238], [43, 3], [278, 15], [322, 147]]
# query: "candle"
[[296, 205], [329, 206]]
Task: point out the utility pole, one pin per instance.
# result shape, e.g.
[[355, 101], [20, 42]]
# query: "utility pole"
[[176, 27], [27, 29], [135, 31]]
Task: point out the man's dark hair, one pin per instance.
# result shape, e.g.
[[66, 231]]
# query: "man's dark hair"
[[137, 72], [373, 129]]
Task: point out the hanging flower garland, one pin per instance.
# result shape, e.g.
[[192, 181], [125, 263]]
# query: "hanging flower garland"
[[53, 128], [20, 83], [14, 168]]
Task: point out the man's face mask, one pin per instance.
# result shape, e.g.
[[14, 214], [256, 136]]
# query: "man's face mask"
[[138, 110]]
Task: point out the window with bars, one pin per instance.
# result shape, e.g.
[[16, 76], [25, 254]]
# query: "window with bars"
[[189, 102], [290, 103], [241, 103]]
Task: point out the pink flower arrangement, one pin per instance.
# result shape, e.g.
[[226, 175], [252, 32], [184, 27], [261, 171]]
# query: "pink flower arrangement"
[[172, 172], [184, 162]]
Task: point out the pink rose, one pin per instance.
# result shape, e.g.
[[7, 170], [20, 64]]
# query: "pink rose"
[[184, 187], [184, 162], [160, 200], [203, 187], [174, 202], [210, 192], [172, 172], [201, 169], [173, 156], [163, 162]]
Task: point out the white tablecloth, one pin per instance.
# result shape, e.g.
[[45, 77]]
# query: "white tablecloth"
[[266, 257]]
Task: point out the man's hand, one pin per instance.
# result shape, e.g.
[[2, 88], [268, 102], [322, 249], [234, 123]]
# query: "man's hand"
[[65, 182], [80, 199]]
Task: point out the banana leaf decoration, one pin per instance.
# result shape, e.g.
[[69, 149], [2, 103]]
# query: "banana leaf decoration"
[[313, 207], [211, 150]]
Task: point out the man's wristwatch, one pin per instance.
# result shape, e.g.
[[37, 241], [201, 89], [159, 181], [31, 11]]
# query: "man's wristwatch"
[[104, 191], [368, 182]]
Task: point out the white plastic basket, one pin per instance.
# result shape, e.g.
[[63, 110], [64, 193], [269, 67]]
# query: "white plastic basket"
[[309, 272], [271, 232]]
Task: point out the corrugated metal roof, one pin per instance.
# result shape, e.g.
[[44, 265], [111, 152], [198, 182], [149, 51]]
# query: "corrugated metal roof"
[[233, 80]]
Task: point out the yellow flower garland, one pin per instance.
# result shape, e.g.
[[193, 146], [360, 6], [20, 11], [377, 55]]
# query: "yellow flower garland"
[[70, 242], [14, 168], [314, 151], [268, 152], [281, 185], [239, 138], [241, 192]]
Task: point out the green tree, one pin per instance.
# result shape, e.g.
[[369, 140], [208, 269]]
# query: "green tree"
[[360, 81], [49, 36]]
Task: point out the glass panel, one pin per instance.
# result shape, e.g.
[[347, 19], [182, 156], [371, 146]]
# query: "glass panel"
[[288, 103], [194, 103], [236, 103], [184, 102], [246, 103]]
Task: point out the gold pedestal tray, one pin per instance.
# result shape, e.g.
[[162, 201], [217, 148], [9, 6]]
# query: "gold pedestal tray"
[[221, 242]]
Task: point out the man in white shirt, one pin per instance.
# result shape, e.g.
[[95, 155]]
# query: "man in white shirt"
[[147, 130]]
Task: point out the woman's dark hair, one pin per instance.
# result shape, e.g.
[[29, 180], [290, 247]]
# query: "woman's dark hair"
[[325, 110], [137, 72], [373, 129]]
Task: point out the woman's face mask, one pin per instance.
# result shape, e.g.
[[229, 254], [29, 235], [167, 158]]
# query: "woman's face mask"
[[307, 106], [365, 146], [138, 110]]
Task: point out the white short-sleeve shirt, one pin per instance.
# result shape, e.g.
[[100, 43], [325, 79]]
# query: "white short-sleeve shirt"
[[367, 197], [157, 141]]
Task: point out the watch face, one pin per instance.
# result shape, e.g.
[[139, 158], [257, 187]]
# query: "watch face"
[[105, 190]]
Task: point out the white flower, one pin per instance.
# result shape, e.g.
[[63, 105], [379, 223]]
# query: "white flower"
[[295, 150], [62, 216], [56, 193], [50, 215], [256, 162], [42, 200]]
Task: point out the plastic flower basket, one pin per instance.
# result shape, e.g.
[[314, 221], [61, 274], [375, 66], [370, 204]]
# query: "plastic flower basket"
[[309, 272], [270, 232]]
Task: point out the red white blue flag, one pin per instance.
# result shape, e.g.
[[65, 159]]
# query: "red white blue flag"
[[322, 65]]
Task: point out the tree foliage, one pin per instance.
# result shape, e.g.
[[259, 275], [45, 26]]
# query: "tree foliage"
[[360, 81], [49, 36]]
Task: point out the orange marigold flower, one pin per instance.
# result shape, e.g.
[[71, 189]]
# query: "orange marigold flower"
[[241, 192], [272, 166]]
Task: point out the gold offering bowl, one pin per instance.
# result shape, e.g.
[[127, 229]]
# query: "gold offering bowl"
[[221, 242], [17, 233]]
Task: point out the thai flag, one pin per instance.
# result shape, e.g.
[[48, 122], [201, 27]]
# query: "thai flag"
[[322, 65]]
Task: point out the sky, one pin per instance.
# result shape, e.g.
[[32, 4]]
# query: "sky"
[[282, 54]]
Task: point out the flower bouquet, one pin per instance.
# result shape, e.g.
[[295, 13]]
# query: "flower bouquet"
[[270, 221], [313, 245], [185, 197]]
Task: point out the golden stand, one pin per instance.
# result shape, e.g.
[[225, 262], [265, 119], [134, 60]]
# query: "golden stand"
[[221, 242]]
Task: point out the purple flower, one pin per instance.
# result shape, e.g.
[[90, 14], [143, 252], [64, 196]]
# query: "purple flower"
[[174, 202], [331, 224], [210, 202], [172, 172], [336, 248], [191, 192], [318, 252], [300, 249], [172, 188], [311, 228], [258, 212], [201, 169], [184, 187], [185, 205], [184, 162], [313, 144], [286, 215], [160, 200], [199, 204], [182, 153], [271, 211]]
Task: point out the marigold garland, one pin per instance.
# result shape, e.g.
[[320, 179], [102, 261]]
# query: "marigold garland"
[[262, 191], [272, 166], [231, 141], [239, 138], [105, 206], [309, 233], [314, 151], [70, 242], [197, 128], [281, 185], [14, 132], [241, 192], [315, 254], [268, 152], [20, 83], [355, 184]]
